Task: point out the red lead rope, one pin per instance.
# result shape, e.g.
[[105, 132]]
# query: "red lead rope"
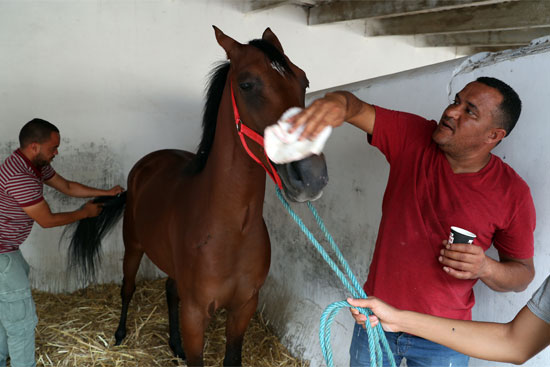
[[243, 130]]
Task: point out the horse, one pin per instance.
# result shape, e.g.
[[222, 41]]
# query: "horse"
[[198, 217]]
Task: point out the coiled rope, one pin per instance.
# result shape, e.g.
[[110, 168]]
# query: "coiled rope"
[[376, 337]]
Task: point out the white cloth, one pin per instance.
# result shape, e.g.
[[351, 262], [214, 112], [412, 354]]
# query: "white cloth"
[[284, 147]]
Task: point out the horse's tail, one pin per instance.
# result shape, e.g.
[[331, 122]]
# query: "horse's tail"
[[86, 235]]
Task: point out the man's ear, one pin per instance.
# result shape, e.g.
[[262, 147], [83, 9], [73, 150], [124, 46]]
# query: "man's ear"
[[34, 147], [496, 135]]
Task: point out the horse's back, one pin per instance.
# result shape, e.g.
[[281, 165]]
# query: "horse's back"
[[159, 159], [156, 165]]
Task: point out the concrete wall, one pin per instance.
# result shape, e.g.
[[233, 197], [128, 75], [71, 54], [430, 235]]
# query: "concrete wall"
[[123, 78], [351, 204]]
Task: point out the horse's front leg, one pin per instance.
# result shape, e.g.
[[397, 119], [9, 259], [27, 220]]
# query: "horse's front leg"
[[238, 319], [193, 323]]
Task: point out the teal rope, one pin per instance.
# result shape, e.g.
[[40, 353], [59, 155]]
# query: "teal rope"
[[376, 335]]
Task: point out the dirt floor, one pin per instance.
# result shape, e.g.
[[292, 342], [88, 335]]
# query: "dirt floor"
[[78, 330]]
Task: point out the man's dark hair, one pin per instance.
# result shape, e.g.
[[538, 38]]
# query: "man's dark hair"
[[510, 107], [36, 131]]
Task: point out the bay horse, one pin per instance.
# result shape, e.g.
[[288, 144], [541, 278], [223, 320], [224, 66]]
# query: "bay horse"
[[198, 217]]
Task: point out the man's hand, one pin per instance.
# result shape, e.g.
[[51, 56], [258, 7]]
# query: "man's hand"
[[92, 209], [463, 261], [115, 190], [383, 312], [332, 110], [327, 111]]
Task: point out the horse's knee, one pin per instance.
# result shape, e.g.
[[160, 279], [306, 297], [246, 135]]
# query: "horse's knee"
[[192, 326]]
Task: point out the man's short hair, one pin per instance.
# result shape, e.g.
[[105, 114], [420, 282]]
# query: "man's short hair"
[[510, 107], [36, 131]]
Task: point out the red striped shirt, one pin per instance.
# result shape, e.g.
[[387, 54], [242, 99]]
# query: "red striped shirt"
[[21, 185]]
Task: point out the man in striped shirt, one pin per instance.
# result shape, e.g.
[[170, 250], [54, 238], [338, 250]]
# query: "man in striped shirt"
[[22, 176]]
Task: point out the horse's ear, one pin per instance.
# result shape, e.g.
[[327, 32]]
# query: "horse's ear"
[[270, 37], [227, 43]]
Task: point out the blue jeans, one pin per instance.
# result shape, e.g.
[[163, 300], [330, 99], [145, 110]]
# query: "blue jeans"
[[418, 352], [17, 312]]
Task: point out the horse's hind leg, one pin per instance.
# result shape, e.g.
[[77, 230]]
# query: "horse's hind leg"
[[132, 258], [237, 322], [173, 318]]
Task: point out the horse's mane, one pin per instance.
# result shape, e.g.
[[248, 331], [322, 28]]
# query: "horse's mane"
[[214, 92], [216, 84]]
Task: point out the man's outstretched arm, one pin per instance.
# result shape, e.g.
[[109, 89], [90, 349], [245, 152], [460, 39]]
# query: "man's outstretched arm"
[[75, 189], [42, 214], [332, 110], [513, 342]]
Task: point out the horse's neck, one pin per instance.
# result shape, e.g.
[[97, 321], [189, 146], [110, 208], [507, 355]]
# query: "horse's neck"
[[230, 170]]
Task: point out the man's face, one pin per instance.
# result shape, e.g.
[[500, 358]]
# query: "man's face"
[[467, 122], [47, 150]]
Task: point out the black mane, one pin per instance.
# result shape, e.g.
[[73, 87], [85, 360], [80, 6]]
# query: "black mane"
[[216, 84]]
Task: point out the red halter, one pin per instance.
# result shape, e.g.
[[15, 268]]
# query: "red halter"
[[243, 130]]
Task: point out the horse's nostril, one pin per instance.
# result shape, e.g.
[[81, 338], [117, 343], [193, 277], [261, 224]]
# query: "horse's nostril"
[[294, 172]]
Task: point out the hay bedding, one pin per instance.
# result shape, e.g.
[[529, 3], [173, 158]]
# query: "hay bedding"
[[78, 330]]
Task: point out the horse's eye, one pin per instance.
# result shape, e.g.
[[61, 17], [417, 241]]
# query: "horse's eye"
[[245, 86]]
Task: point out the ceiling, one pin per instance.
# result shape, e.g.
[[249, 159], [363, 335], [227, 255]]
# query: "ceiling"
[[470, 25]]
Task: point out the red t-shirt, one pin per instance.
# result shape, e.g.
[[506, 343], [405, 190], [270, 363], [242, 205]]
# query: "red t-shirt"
[[423, 199], [21, 185]]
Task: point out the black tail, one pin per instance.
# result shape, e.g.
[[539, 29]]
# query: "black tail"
[[86, 236]]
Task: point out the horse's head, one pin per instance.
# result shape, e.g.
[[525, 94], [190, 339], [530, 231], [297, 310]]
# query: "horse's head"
[[266, 83]]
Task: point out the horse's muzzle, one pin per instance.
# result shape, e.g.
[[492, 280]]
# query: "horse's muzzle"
[[304, 180]]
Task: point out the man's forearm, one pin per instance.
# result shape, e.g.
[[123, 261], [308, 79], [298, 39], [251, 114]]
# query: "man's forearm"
[[508, 276], [491, 341], [358, 113], [79, 190], [60, 219]]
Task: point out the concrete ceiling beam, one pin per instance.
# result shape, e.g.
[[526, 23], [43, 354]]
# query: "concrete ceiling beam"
[[468, 51], [484, 38], [512, 15], [255, 5], [258, 5], [338, 11]]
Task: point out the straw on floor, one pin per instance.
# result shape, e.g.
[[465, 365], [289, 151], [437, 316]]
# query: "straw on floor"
[[78, 330]]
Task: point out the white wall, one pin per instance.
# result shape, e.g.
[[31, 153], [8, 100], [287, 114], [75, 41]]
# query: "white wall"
[[123, 78], [351, 204]]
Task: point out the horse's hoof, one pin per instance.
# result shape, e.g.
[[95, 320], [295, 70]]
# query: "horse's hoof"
[[178, 351], [119, 336]]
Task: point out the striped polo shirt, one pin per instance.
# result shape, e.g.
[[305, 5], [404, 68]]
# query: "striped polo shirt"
[[21, 185]]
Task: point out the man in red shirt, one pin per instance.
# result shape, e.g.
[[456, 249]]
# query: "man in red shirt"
[[22, 176], [441, 175]]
